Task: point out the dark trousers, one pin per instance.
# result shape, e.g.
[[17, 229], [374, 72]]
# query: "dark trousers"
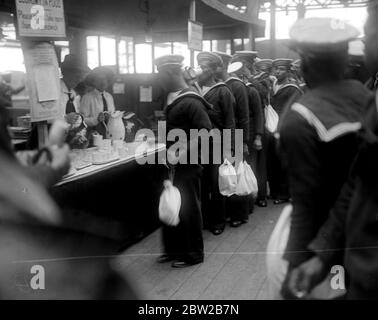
[[258, 161], [277, 174], [213, 202], [185, 241]]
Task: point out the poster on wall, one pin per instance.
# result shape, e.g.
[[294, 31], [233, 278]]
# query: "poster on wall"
[[145, 94], [195, 35], [43, 19], [43, 81]]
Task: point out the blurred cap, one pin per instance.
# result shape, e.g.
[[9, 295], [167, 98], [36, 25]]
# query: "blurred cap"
[[321, 35], [235, 67], [169, 60], [282, 63], [226, 58], [245, 56], [72, 62], [209, 57], [264, 64]]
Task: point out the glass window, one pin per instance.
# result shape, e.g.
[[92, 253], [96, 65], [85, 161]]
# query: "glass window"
[[206, 45], [162, 49], [125, 55], [108, 51], [11, 59], [222, 46], [182, 48], [92, 52], [143, 56], [238, 45]]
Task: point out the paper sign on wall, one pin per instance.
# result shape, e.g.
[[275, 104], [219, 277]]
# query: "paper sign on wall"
[[195, 35], [145, 94], [42, 73], [40, 19], [44, 76]]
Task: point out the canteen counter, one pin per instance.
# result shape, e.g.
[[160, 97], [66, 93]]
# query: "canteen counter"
[[118, 199]]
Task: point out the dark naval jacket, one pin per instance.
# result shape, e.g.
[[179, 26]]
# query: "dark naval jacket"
[[353, 222], [283, 96], [318, 138], [239, 90], [223, 104]]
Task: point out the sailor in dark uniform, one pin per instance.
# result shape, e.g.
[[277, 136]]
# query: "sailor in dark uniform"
[[237, 207], [222, 116], [263, 82], [256, 111], [353, 221], [284, 93], [186, 110], [318, 133]]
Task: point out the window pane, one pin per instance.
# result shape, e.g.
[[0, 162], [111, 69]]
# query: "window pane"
[[92, 52], [206, 45], [143, 56], [11, 59], [130, 55], [108, 51], [246, 44], [162, 49], [182, 49], [238, 45], [122, 57], [222, 46]]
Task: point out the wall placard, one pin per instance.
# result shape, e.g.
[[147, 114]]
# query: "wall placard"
[[195, 35], [40, 19]]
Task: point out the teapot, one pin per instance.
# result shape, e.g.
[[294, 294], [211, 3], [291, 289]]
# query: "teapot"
[[115, 127]]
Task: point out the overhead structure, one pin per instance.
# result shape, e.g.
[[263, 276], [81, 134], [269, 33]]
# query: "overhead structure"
[[165, 20]]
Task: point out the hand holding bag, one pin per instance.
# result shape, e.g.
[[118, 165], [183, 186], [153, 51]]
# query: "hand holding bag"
[[271, 119], [170, 204], [227, 179], [247, 182]]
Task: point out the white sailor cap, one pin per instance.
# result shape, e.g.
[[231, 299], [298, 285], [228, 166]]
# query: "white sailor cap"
[[321, 35]]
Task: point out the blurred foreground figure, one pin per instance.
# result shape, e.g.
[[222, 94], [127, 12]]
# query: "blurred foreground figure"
[[41, 259], [352, 228]]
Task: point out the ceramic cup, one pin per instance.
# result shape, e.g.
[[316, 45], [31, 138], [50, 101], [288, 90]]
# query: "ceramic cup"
[[97, 140]]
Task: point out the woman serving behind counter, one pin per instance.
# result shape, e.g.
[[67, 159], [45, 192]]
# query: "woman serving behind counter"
[[96, 105]]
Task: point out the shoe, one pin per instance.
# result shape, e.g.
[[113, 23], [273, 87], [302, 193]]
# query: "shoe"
[[164, 258], [184, 264], [235, 224], [280, 201], [262, 203], [217, 231]]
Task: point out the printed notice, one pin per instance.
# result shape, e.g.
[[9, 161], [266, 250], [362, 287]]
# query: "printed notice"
[[41, 19], [145, 94], [45, 76]]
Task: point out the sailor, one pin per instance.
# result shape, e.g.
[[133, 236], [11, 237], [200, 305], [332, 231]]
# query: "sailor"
[[223, 118], [284, 93], [186, 110], [262, 81], [352, 223], [318, 133], [256, 112], [237, 207]]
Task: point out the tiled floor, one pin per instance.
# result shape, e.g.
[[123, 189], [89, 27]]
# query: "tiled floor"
[[234, 266]]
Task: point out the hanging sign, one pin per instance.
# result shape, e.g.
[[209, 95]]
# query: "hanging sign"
[[195, 35], [40, 19], [43, 81]]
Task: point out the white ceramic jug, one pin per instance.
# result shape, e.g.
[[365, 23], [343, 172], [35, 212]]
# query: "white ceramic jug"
[[116, 128]]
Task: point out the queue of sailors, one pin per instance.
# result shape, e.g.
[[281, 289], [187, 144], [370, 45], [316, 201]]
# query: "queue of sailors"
[[225, 92]]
